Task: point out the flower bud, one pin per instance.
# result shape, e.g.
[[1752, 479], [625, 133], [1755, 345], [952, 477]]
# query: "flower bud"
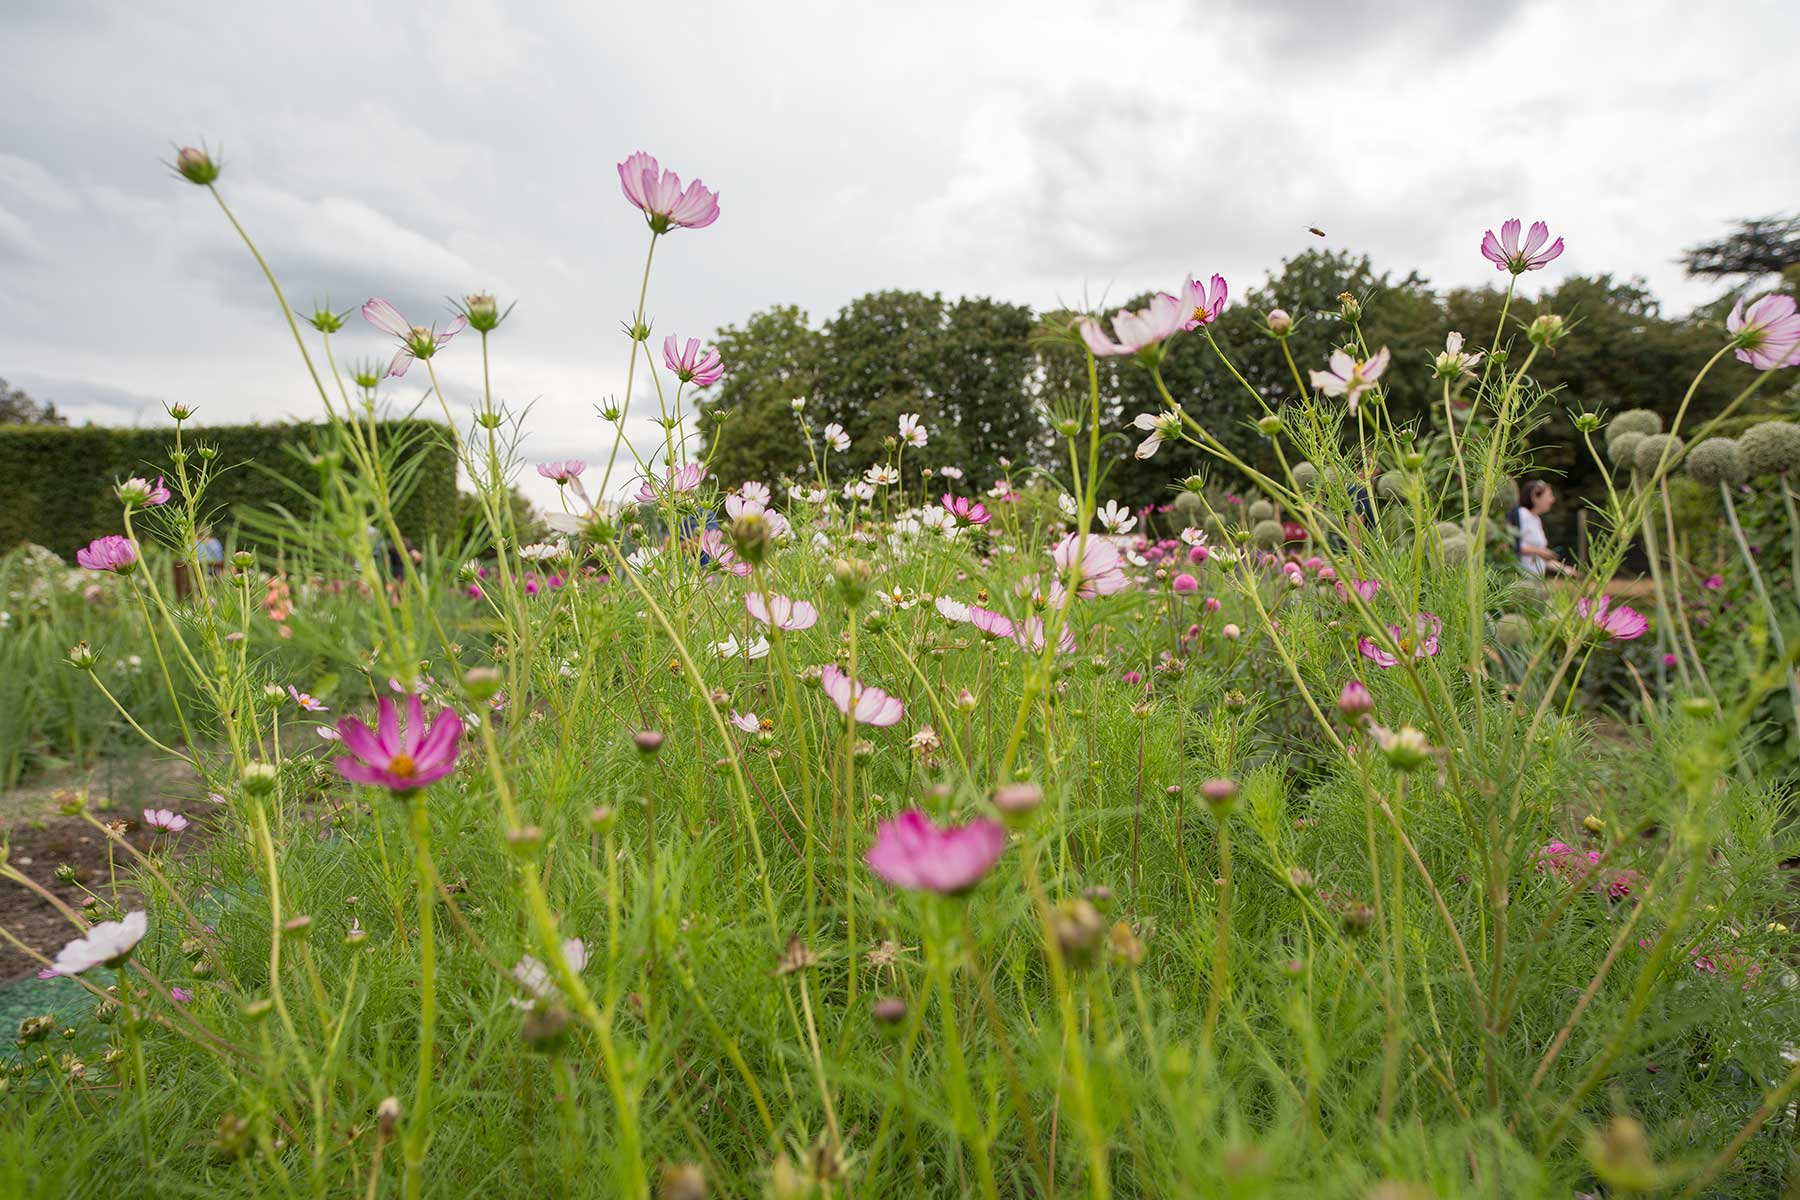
[[179, 412], [1220, 795], [481, 683], [1280, 324], [243, 560], [1355, 702], [387, 1116], [82, 657], [481, 310], [1270, 426], [1587, 422], [750, 536], [1547, 330], [1017, 801], [1349, 307], [1079, 928], [648, 741], [259, 778], [196, 166], [1406, 750]]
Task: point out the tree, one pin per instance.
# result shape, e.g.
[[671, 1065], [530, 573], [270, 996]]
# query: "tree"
[[770, 361], [18, 408], [1756, 247]]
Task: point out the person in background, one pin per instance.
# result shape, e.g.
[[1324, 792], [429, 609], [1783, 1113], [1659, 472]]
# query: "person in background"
[[1535, 555], [209, 551]]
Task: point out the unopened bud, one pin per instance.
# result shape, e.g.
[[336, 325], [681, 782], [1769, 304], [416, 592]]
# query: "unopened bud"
[[1280, 324], [196, 166]]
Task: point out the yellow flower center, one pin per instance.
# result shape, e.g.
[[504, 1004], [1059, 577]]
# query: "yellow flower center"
[[402, 764], [1406, 646], [1200, 312]]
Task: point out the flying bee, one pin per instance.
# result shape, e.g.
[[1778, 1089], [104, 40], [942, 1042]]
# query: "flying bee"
[[1315, 231]]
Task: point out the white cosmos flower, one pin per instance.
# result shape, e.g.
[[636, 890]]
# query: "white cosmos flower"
[[729, 648], [540, 551], [756, 492], [534, 977], [108, 942], [951, 472], [1194, 536], [952, 610], [882, 474], [1162, 427], [1114, 519], [835, 437], [641, 559], [858, 490], [1067, 504], [911, 432]]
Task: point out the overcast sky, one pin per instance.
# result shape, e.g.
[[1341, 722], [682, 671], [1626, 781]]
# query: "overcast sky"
[[1035, 151]]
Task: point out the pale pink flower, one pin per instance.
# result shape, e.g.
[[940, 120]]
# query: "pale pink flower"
[[1137, 331], [867, 705], [1029, 634], [1203, 305], [1507, 255], [782, 612], [755, 492], [1349, 377], [746, 721], [533, 977], [666, 204], [1767, 332], [717, 553], [689, 365], [562, 471], [416, 341], [1099, 571], [677, 481], [913, 853], [164, 820], [1355, 701], [911, 432], [989, 623], [140, 491], [309, 703]]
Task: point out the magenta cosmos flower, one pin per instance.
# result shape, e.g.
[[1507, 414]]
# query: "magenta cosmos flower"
[[416, 341], [138, 491], [1203, 304], [1422, 642], [1349, 377], [400, 761], [110, 553], [781, 612], [910, 852], [1507, 255], [1621, 623], [868, 705], [1099, 571], [689, 365], [666, 204], [966, 511], [1767, 333], [1139, 331]]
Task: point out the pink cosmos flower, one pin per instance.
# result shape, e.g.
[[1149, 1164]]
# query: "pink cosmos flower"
[[868, 705], [746, 721], [164, 820], [181, 995], [1767, 333], [1137, 331], [309, 703], [1422, 642], [138, 490], [678, 480], [1713, 583], [990, 624], [737, 506], [1622, 623], [1355, 701], [666, 204], [1203, 305], [1349, 377], [1366, 588], [1507, 255], [416, 341], [966, 511], [110, 553], [1099, 571], [395, 760], [1030, 636], [562, 471], [911, 852], [689, 365], [781, 612]]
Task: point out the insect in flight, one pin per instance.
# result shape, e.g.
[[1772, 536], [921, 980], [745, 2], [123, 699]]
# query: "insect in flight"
[[1316, 231]]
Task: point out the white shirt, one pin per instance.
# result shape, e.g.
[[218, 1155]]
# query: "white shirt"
[[1531, 534]]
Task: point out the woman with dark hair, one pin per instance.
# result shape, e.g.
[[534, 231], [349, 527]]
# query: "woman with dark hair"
[[1535, 554]]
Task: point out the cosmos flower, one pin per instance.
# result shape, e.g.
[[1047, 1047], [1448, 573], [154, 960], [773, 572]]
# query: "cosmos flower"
[[110, 553], [399, 761], [677, 481], [309, 703], [1139, 331], [746, 721], [989, 623], [1767, 332], [1115, 519], [416, 341], [1422, 642], [562, 471], [1620, 623], [913, 853], [835, 437], [1203, 305], [138, 491], [1029, 634], [1162, 427], [1507, 255], [911, 432], [752, 649], [533, 977], [953, 610], [881, 475], [665, 203], [109, 943], [781, 612], [868, 705], [164, 820], [1349, 377], [689, 365], [1099, 571], [965, 510], [1454, 363]]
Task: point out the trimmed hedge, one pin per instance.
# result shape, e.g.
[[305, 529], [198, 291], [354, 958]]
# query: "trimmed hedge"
[[58, 479]]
